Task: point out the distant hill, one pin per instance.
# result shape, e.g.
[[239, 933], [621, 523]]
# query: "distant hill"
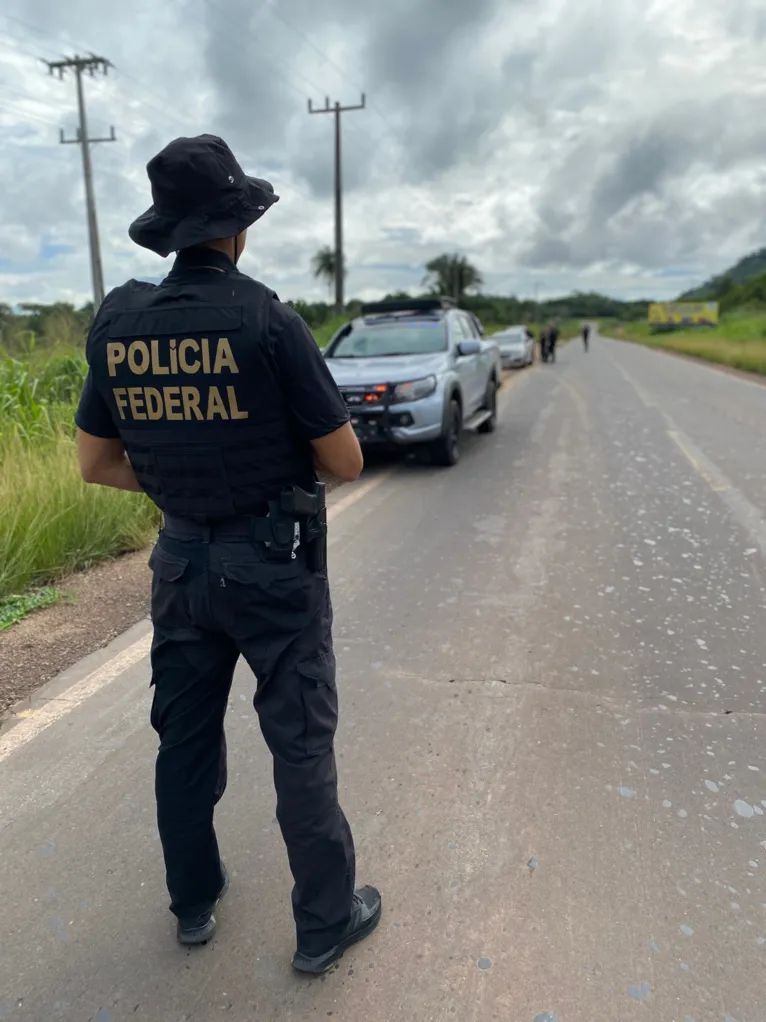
[[750, 295], [753, 265]]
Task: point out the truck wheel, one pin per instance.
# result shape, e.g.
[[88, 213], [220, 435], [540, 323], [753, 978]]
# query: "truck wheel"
[[490, 404], [446, 450]]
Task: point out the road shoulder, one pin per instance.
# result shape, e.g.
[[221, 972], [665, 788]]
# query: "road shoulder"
[[100, 604], [741, 374]]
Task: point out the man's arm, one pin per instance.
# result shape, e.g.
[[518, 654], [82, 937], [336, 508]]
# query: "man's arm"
[[315, 400], [100, 450], [339, 454], [104, 461]]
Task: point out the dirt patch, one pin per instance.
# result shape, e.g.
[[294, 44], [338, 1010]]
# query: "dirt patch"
[[100, 604]]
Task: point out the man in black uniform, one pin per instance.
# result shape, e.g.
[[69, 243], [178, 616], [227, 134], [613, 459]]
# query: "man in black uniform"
[[544, 343], [553, 337], [209, 395], [585, 335]]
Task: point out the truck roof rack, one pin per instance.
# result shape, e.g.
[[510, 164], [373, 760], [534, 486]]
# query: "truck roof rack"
[[435, 304]]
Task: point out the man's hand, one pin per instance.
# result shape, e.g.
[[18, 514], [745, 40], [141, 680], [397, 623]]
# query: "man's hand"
[[105, 462]]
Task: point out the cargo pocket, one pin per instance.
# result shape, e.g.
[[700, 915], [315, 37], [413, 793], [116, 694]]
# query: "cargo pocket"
[[269, 585], [167, 567], [320, 702], [169, 603]]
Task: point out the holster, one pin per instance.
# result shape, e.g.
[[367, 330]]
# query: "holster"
[[311, 511]]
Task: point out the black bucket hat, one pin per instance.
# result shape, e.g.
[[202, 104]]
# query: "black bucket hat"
[[200, 194]]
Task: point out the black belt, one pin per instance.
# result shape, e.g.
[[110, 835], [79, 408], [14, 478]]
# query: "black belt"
[[247, 527]]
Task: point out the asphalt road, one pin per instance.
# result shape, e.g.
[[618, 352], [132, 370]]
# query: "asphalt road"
[[553, 745]]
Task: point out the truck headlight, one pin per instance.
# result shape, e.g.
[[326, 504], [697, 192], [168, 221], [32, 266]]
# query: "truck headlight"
[[415, 390]]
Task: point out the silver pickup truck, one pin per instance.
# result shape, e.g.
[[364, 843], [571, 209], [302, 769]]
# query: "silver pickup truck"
[[416, 372]]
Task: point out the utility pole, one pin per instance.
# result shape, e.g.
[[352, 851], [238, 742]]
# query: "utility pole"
[[340, 265], [80, 66]]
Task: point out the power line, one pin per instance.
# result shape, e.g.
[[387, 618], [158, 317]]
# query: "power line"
[[5, 87], [328, 59], [64, 38], [340, 266], [159, 106], [27, 114], [80, 66], [375, 141], [22, 43]]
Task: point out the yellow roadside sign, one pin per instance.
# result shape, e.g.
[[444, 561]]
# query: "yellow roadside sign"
[[683, 314]]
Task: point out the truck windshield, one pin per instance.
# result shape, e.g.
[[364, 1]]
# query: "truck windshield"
[[393, 339]]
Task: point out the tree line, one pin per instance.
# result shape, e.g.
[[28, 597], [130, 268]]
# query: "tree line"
[[452, 275], [24, 326]]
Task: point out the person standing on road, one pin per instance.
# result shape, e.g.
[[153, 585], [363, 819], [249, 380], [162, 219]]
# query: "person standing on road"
[[585, 335], [553, 336], [208, 394], [544, 343]]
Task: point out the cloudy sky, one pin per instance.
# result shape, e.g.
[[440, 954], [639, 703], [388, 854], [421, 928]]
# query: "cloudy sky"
[[616, 145]]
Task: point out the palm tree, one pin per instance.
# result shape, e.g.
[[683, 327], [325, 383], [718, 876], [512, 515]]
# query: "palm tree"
[[323, 265], [452, 275]]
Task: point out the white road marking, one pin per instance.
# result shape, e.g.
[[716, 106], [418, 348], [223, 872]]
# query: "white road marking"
[[356, 494], [37, 721], [713, 478], [644, 397], [744, 512], [579, 401]]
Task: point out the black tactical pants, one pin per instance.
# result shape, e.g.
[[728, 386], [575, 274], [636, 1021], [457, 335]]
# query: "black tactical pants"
[[216, 596]]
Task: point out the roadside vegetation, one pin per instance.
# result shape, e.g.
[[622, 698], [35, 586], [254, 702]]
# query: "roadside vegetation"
[[739, 341], [51, 523]]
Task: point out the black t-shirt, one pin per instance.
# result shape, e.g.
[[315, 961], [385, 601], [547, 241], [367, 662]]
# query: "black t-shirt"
[[208, 361]]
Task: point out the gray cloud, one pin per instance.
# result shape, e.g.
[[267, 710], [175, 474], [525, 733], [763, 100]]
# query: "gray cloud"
[[659, 160], [585, 140], [417, 47]]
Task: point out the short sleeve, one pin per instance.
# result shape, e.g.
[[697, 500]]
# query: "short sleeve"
[[311, 391], [93, 413]]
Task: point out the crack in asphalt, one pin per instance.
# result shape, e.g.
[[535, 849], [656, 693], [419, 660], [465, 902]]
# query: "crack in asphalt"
[[609, 703]]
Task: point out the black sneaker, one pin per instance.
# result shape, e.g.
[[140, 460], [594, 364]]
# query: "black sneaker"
[[202, 929], [365, 916]]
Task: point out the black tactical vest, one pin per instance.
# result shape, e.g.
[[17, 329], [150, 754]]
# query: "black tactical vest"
[[188, 371]]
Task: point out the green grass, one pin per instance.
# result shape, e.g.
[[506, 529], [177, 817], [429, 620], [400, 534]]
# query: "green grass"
[[51, 523], [739, 341], [14, 608], [323, 334]]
